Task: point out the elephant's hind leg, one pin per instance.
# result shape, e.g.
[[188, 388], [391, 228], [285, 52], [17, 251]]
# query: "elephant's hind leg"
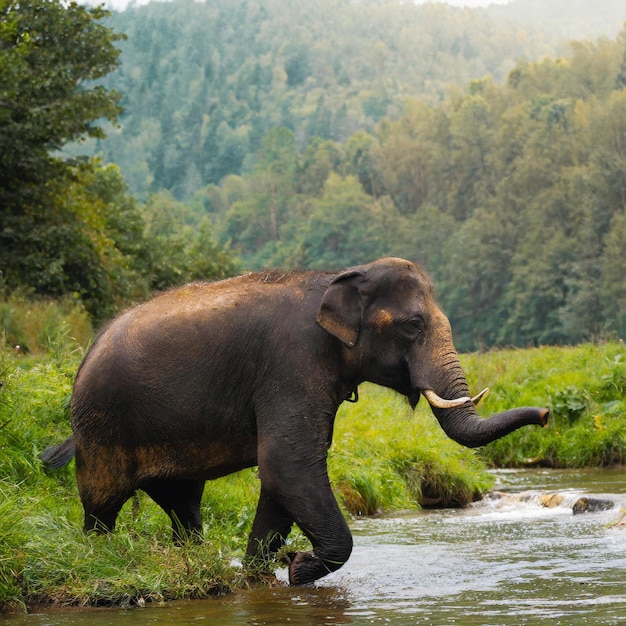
[[101, 517], [270, 529], [180, 499], [103, 491]]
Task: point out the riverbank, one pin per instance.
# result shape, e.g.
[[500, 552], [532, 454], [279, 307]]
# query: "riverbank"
[[384, 457], [494, 562]]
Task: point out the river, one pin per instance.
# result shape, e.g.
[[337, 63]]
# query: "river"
[[506, 560]]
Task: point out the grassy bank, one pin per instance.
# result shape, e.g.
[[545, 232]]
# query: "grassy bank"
[[585, 389], [384, 457]]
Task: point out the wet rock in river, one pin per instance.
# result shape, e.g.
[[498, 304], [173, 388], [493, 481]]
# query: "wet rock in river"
[[592, 505], [551, 500]]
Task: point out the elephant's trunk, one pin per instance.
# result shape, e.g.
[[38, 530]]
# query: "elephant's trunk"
[[466, 427], [460, 421]]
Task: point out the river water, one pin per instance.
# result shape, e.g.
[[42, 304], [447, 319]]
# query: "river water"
[[506, 560]]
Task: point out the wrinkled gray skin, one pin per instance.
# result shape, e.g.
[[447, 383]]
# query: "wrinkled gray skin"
[[211, 378]]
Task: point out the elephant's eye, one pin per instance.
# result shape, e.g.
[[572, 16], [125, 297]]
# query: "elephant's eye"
[[414, 326]]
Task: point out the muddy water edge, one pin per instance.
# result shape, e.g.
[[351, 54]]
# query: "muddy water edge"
[[510, 559]]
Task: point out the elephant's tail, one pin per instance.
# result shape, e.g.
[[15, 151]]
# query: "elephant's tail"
[[59, 455]]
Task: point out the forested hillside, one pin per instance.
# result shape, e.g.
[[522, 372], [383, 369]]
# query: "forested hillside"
[[204, 82], [322, 135], [326, 134], [512, 196], [564, 19]]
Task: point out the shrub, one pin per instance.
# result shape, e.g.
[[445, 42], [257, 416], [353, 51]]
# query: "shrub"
[[31, 326]]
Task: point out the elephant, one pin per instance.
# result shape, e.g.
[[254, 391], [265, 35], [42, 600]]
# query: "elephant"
[[213, 377]]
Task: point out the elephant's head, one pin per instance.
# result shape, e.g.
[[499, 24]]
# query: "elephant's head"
[[395, 335]]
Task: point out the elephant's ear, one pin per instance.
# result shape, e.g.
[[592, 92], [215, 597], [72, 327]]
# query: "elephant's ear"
[[341, 309]]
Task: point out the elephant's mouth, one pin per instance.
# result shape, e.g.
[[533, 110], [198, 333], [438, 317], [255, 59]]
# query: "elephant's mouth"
[[441, 403]]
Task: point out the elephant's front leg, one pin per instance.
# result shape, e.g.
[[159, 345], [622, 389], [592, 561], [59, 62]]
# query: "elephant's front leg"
[[332, 546], [295, 478]]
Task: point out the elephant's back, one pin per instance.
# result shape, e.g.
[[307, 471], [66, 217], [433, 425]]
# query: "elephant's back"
[[184, 364]]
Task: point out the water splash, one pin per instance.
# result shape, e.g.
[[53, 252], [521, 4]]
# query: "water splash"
[[573, 502]]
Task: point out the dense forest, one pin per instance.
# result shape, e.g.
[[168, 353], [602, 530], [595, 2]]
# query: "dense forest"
[[322, 135], [203, 83]]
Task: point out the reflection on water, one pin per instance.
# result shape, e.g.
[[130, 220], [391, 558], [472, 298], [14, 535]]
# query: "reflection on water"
[[517, 563], [255, 607]]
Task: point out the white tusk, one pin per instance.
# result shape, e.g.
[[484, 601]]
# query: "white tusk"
[[440, 403], [479, 397]]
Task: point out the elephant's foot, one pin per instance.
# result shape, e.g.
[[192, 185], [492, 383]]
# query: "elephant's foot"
[[305, 567]]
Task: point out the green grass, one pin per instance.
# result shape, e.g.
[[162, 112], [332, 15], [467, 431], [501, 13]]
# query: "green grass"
[[32, 325], [387, 457], [583, 386], [384, 458]]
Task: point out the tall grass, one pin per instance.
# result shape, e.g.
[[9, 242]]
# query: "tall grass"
[[32, 325], [12, 535], [132, 566]]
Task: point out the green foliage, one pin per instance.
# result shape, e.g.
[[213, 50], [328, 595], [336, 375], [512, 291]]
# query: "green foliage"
[[613, 272], [255, 220], [12, 536], [128, 568], [180, 245], [584, 389], [341, 224], [32, 325], [48, 52], [385, 457]]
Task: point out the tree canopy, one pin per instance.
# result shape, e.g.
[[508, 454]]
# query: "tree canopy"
[[204, 83], [67, 225]]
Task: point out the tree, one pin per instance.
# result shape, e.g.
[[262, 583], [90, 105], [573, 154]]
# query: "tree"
[[344, 228], [255, 219], [50, 54], [614, 275], [320, 158], [472, 140], [123, 250], [475, 272], [181, 244], [412, 156], [169, 224]]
